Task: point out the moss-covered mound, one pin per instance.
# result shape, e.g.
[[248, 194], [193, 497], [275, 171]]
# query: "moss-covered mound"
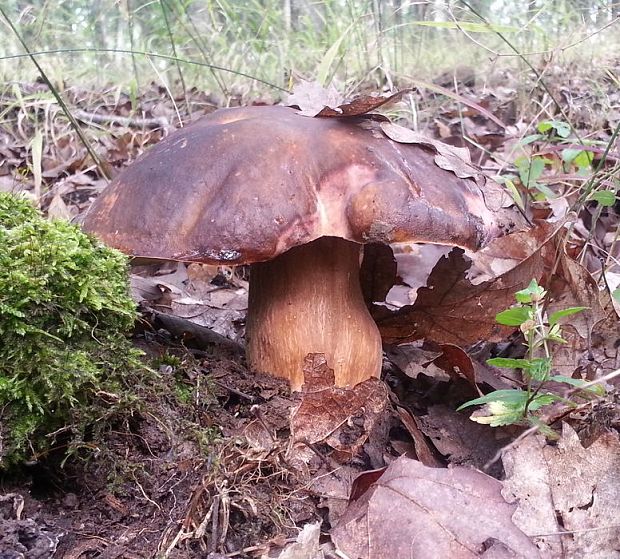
[[64, 313]]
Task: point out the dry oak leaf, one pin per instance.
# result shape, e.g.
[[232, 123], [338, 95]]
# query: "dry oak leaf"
[[592, 336], [447, 157], [505, 253], [452, 310], [457, 513], [341, 417], [314, 100], [461, 441], [412, 360], [567, 494]]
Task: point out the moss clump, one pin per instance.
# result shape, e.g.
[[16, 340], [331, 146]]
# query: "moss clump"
[[64, 313]]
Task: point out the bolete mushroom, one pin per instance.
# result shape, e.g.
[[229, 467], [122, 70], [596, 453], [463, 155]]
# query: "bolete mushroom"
[[295, 197]]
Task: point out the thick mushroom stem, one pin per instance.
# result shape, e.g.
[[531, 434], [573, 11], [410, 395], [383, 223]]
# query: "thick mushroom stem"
[[309, 300]]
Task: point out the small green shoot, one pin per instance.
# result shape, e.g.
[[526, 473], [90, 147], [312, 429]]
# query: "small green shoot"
[[519, 406], [554, 128], [530, 171], [575, 156], [605, 198]]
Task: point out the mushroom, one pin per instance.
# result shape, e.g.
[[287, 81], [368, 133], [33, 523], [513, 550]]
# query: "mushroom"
[[297, 198]]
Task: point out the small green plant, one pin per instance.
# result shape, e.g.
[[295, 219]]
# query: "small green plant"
[[65, 311], [520, 406], [575, 157]]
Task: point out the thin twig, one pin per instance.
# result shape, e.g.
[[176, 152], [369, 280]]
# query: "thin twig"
[[579, 531], [156, 122], [164, 12], [232, 390]]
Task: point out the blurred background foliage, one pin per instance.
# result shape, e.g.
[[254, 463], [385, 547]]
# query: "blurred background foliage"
[[210, 44]]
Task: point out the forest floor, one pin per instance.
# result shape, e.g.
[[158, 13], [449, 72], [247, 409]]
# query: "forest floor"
[[227, 463]]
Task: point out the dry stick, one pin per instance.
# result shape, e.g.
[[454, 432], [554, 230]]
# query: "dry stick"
[[158, 122], [230, 389], [74, 123]]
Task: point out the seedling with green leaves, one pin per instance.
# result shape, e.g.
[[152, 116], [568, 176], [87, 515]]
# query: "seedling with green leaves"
[[576, 158], [522, 406]]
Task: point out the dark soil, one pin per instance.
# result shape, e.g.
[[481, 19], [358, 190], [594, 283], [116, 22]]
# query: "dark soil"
[[204, 468], [176, 478]]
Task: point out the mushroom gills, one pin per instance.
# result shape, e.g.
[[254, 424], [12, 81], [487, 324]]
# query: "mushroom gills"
[[309, 300]]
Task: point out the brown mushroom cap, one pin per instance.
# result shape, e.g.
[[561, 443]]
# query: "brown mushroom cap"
[[246, 184]]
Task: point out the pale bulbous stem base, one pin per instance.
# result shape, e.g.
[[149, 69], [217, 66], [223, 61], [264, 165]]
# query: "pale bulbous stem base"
[[309, 300]]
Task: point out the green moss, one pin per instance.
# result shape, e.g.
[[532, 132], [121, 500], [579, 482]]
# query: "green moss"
[[65, 311]]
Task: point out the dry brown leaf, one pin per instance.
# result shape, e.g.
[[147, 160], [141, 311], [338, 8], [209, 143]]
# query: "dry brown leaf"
[[260, 437], [362, 105], [57, 209], [593, 336], [451, 310], [458, 161], [505, 253], [305, 547], [341, 417], [423, 449], [567, 488], [457, 513], [447, 157], [461, 441], [364, 482], [220, 309], [412, 360], [456, 363], [332, 486], [317, 101]]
